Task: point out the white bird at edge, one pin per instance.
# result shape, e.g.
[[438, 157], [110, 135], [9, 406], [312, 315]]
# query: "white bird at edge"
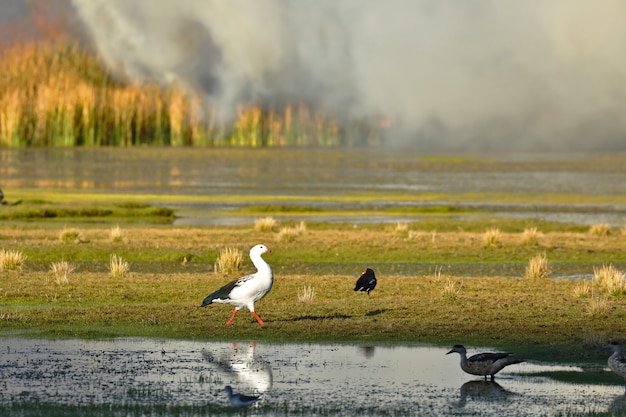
[[240, 400], [245, 291], [617, 361]]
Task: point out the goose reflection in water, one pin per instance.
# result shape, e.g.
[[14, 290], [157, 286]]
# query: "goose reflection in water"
[[481, 390], [252, 372]]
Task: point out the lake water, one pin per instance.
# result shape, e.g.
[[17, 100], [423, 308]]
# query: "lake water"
[[306, 176], [158, 377]]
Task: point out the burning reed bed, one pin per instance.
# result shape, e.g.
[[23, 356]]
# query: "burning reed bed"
[[57, 94]]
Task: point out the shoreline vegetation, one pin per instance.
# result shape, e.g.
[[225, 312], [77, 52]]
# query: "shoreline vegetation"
[[59, 95], [558, 291]]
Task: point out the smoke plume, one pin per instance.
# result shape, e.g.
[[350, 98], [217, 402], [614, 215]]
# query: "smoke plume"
[[530, 74]]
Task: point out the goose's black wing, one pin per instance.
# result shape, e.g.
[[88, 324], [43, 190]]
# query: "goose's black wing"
[[224, 292]]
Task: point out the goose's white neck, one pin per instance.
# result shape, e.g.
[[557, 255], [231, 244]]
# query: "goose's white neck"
[[260, 264]]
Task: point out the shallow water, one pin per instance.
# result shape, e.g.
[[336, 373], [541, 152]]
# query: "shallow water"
[[306, 379], [317, 172]]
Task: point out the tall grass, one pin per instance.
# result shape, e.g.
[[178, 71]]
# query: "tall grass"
[[492, 237], [611, 279], [289, 234], [115, 233], [11, 260], [118, 267], [306, 294], [56, 94], [70, 235], [537, 267], [265, 224], [530, 236], [61, 271], [451, 289], [600, 230], [228, 260]]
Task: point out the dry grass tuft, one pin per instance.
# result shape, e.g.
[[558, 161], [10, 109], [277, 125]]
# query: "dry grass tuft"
[[531, 236], [228, 260], [537, 267], [422, 235], [583, 289], [600, 230], [265, 224], [70, 235], [306, 294], [61, 271], [115, 233], [597, 307], [11, 260], [7, 317], [492, 237], [290, 233], [118, 267], [401, 228], [610, 279], [451, 289]]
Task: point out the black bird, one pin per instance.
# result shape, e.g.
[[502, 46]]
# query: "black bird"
[[366, 282]]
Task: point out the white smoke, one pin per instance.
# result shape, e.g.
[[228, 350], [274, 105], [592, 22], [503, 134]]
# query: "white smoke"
[[448, 73]]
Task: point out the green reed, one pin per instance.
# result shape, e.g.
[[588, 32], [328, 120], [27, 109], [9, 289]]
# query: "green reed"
[[57, 94]]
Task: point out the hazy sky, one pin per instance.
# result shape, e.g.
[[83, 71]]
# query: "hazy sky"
[[451, 73]]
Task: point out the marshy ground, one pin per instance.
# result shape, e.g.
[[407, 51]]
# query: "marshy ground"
[[439, 287], [523, 253]]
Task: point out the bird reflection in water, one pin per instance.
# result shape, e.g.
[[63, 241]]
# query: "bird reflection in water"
[[252, 373], [481, 390], [240, 400], [368, 351]]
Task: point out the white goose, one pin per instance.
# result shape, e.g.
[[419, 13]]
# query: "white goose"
[[245, 291]]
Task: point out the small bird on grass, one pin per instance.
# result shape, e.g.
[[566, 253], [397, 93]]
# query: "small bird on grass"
[[245, 291], [240, 400], [484, 364], [617, 361], [366, 282]]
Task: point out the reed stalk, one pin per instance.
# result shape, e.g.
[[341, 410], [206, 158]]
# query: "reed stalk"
[[57, 94]]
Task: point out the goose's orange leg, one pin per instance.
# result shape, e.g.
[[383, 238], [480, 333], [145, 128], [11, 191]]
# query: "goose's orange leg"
[[230, 320], [256, 316]]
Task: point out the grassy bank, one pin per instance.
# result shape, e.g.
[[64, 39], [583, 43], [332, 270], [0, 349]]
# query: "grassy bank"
[[441, 287]]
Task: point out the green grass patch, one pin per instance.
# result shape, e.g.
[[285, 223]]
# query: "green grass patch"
[[31, 210], [577, 202], [171, 271]]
